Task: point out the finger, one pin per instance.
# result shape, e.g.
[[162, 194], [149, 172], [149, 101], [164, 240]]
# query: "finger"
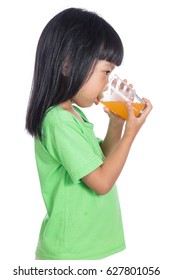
[[106, 110], [128, 88], [130, 109], [114, 82], [147, 109], [129, 92], [147, 103], [122, 84]]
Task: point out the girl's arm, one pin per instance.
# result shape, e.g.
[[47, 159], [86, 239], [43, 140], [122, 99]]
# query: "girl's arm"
[[113, 134], [102, 179]]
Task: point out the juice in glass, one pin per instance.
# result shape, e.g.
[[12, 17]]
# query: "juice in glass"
[[118, 94], [119, 107]]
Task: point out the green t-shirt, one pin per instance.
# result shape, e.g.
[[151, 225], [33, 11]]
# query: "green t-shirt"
[[80, 224]]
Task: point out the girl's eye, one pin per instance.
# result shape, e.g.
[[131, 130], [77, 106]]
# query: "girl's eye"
[[107, 73]]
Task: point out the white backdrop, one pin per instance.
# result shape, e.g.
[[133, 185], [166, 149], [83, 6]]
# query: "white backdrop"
[[145, 185]]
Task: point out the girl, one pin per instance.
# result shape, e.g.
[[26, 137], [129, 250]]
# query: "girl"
[[76, 53]]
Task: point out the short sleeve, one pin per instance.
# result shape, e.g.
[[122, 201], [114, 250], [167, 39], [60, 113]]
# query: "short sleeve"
[[74, 148]]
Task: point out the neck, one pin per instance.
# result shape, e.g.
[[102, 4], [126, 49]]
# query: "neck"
[[67, 105]]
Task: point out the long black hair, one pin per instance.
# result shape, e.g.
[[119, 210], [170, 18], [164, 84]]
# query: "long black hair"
[[70, 44]]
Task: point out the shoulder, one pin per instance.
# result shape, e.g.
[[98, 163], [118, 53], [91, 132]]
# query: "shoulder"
[[58, 117], [81, 113]]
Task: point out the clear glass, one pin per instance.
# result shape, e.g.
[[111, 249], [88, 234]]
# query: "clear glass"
[[118, 94]]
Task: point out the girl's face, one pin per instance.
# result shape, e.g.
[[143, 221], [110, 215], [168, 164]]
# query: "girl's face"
[[95, 85]]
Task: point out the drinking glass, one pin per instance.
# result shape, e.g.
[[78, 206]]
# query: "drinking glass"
[[118, 94]]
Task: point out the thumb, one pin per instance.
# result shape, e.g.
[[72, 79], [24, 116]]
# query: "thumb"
[[107, 111], [129, 109]]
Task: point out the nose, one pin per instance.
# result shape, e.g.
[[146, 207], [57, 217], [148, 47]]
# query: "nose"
[[104, 89]]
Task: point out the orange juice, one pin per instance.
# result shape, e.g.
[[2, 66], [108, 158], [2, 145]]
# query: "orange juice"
[[119, 108]]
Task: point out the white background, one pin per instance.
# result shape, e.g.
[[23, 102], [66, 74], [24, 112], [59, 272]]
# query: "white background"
[[145, 185]]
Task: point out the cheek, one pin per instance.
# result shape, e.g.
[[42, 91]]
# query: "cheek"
[[100, 86], [92, 88], [96, 85]]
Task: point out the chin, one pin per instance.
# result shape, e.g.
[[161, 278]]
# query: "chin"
[[85, 105]]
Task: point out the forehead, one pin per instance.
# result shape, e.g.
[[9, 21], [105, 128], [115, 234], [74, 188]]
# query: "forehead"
[[104, 63]]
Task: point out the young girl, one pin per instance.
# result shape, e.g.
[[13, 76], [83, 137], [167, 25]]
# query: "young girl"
[[76, 53]]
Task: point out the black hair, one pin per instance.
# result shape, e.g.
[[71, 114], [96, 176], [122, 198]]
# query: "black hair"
[[70, 45]]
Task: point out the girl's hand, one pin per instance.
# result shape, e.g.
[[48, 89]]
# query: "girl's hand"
[[133, 123], [114, 119]]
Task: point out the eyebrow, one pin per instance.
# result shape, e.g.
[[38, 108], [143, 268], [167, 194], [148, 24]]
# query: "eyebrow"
[[110, 64]]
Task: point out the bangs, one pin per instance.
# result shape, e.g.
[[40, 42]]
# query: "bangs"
[[110, 47], [111, 54]]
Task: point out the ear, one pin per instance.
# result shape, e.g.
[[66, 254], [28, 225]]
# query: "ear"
[[65, 70], [66, 67]]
